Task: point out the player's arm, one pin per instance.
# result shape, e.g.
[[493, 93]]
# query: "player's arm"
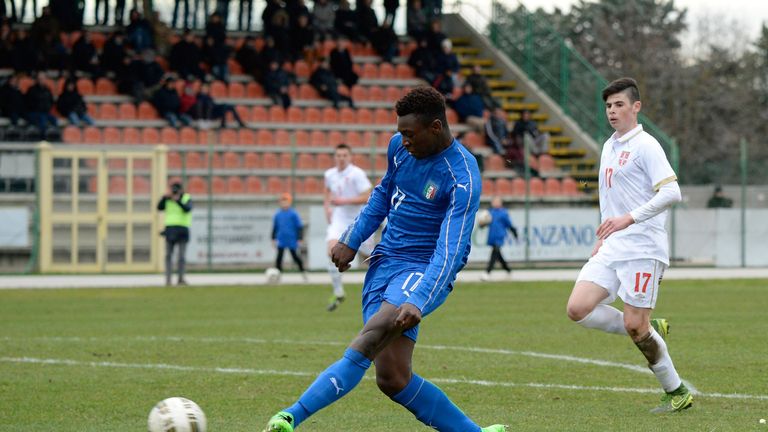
[[510, 227], [327, 203], [452, 244], [362, 198]]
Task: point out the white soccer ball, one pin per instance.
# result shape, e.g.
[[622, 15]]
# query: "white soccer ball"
[[484, 217], [177, 414], [273, 275]]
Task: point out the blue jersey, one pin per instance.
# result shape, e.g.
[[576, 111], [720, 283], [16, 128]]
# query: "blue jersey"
[[500, 223], [430, 206], [286, 228]]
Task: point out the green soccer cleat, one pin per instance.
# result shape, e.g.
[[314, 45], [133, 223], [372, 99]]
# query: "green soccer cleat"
[[280, 422], [335, 302], [675, 401], [661, 325], [494, 428]]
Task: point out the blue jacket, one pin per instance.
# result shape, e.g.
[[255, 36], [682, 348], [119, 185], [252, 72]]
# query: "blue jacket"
[[500, 223], [287, 228]]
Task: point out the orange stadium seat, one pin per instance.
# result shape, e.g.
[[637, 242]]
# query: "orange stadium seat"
[[265, 137], [306, 161], [335, 138], [325, 161], [72, 134], [196, 160], [216, 160], [234, 67], [252, 160], [301, 69], [362, 160], [253, 185], [353, 139], [270, 160], [392, 94], [116, 185], [494, 162], [236, 90], [112, 135], [359, 93], [537, 187], [218, 185], [231, 160], [105, 87], [383, 138], [302, 138], [197, 185], [312, 115], [188, 136], [276, 185], [473, 140], [382, 116], [126, 111], [295, 115], [368, 139], [116, 163], [282, 138], [363, 116], [244, 112], [503, 187], [218, 90], [259, 114], [386, 71], [518, 186], [147, 111], [381, 162], [92, 135], [488, 187], [546, 163], [235, 185], [369, 71], [376, 93], [107, 111], [570, 187], [131, 135], [318, 138], [246, 137], [306, 91], [346, 115], [169, 135], [85, 86], [313, 186], [285, 161], [141, 185], [330, 115], [403, 71], [227, 137], [254, 90], [276, 114], [552, 186], [174, 160], [451, 116]]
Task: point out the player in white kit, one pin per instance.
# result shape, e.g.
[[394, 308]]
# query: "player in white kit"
[[347, 189], [637, 186]]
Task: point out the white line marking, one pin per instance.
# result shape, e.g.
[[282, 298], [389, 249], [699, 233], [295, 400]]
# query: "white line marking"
[[248, 371]]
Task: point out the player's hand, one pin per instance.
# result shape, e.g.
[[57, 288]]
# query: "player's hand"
[[611, 225], [342, 255], [597, 247], [408, 316], [338, 201]]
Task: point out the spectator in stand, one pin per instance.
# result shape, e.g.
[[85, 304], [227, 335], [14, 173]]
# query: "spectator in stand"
[[435, 36], [295, 9], [188, 100], [268, 54], [446, 60], [246, 11], [185, 57], [72, 106], [390, 10], [215, 28], [302, 38], [341, 63], [217, 57], [323, 16], [480, 86], [12, 101], [207, 109], [139, 32], [6, 42], [113, 53], [367, 23], [141, 76], [469, 107], [497, 134], [281, 31], [324, 81], [84, 57], [345, 22], [527, 126], [168, 103], [276, 85], [248, 58], [385, 42], [176, 8], [433, 8], [69, 13], [23, 57], [423, 62], [269, 12], [39, 102], [416, 20], [719, 200], [45, 28]]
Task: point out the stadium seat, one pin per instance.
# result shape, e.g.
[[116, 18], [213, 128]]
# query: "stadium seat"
[[537, 187], [546, 164], [105, 87], [363, 116], [312, 115], [353, 139], [318, 139], [228, 137], [234, 67], [325, 161], [473, 140], [301, 69], [285, 161], [382, 116], [488, 187], [112, 135], [126, 111], [403, 71], [235, 185], [313, 186], [518, 186], [131, 135], [251, 160], [72, 134], [196, 185], [85, 86], [276, 114], [376, 93], [335, 138], [217, 161], [169, 135], [253, 185], [141, 185], [236, 90], [346, 115], [359, 93], [386, 71], [116, 185], [552, 186], [369, 139], [270, 160], [196, 160], [244, 112], [246, 137], [107, 111], [295, 115], [282, 138], [276, 185], [259, 114], [264, 137], [115, 163], [570, 187], [147, 112], [380, 163], [383, 138], [218, 185], [451, 116], [307, 92], [369, 71], [218, 90], [188, 136], [503, 187], [392, 94], [302, 138], [362, 160], [305, 161], [92, 135], [254, 90], [494, 162], [330, 115], [174, 160]]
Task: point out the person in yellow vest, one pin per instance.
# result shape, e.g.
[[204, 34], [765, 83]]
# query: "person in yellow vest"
[[178, 217]]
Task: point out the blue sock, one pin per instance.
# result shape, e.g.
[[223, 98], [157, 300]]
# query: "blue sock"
[[433, 408], [331, 385]]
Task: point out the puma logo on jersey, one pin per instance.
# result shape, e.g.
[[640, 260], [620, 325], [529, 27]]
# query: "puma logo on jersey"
[[336, 385], [463, 186]]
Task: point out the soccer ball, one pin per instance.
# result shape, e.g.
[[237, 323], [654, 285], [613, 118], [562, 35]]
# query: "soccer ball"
[[178, 415], [273, 275], [484, 218]]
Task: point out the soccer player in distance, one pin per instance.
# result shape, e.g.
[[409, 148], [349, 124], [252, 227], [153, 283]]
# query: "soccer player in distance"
[[347, 189], [429, 195], [637, 186]]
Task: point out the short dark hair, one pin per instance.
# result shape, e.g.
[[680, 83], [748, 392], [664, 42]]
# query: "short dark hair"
[[629, 85], [343, 146], [425, 102]]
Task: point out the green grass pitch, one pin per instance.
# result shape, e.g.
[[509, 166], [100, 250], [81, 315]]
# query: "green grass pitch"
[[98, 359]]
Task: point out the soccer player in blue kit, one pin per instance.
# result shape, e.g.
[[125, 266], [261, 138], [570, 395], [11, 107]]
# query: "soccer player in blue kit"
[[429, 195]]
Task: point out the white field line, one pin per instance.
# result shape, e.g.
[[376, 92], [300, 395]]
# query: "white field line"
[[582, 360], [249, 371]]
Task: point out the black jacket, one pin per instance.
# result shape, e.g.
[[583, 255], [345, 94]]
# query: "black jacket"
[[70, 101], [166, 100], [39, 99], [11, 100]]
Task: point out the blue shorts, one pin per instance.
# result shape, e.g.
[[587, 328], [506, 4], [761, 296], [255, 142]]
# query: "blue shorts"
[[390, 280]]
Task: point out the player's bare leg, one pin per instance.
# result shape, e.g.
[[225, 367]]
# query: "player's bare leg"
[[585, 308]]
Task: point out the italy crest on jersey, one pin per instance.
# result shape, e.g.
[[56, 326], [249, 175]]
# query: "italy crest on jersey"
[[430, 190], [623, 158]]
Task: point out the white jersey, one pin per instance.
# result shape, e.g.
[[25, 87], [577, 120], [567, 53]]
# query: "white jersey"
[[348, 183], [632, 169]]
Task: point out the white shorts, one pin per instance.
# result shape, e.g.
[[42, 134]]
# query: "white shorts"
[[336, 229], [636, 282]]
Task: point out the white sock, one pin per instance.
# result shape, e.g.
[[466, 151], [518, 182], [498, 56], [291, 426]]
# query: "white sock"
[[338, 287], [605, 318], [663, 368]]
